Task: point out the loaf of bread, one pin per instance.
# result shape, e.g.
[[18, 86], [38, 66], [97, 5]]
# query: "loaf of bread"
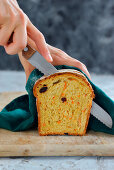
[[64, 102]]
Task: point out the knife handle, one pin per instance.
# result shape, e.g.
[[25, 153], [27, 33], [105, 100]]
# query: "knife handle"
[[28, 52]]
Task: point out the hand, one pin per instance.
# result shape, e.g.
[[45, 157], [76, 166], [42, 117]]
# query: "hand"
[[59, 58], [13, 21]]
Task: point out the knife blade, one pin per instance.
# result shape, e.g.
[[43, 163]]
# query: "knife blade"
[[101, 115], [38, 61]]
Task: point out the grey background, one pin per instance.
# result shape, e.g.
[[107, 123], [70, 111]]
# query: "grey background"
[[82, 28]]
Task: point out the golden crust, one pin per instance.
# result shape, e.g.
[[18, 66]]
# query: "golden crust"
[[60, 72]]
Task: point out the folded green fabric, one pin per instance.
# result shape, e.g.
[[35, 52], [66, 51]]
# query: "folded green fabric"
[[21, 113]]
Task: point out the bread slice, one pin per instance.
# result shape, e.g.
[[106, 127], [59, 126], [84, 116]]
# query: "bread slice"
[[64, 102]]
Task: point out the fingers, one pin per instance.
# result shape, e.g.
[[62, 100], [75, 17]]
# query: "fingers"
[[19, 40], [5, 33], [12, 20], [61, 58], [11, 14], [39, 40], [31, 43], [84, 69], [78, 64]]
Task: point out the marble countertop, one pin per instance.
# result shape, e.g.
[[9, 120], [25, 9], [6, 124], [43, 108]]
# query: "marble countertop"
[[7, 83]]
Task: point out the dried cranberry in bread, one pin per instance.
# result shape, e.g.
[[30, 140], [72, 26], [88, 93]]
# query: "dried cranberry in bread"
[[64, 102]]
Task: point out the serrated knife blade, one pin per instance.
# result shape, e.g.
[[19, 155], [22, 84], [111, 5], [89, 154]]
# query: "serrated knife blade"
[[38, 61], [101, 115]]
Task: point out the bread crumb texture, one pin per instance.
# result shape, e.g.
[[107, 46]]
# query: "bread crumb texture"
[[64, 102]]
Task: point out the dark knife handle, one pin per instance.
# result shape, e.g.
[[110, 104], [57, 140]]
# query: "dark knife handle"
[[28, 52]]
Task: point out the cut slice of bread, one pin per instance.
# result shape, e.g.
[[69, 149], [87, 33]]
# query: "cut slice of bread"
[[64, 102]]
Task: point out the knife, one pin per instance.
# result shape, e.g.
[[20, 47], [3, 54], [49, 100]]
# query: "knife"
[[38, 61]]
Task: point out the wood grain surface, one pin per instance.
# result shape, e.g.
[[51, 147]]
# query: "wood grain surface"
[[29, 143]]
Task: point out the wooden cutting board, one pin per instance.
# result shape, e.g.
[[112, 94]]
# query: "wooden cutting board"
[[29, 143]]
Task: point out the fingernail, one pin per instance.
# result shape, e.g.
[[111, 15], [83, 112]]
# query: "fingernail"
[[50, 58]]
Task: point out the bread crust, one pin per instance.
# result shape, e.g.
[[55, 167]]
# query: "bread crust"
[[60, 72]]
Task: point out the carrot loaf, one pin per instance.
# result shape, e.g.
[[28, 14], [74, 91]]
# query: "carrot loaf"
[[64, 101]]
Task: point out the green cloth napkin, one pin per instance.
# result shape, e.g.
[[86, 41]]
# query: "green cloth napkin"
[[21, 113]]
